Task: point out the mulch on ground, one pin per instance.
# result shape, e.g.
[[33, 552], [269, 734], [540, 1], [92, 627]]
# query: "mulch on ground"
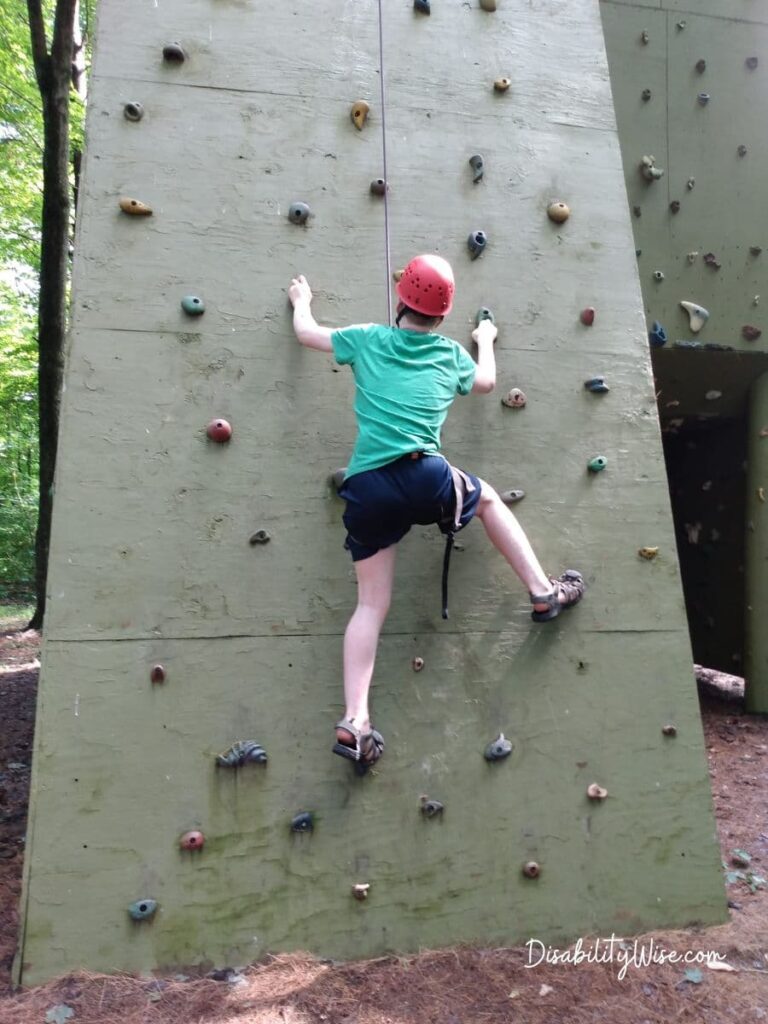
[[458, 986]]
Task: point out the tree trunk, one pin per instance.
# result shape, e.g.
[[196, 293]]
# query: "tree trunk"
[[54, 76]]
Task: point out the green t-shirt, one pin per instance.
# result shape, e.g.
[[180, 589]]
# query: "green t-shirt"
[[405, 382]]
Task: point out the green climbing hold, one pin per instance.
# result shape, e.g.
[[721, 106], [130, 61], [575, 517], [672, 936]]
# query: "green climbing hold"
[[484, 314], [598, 464], [142, 910], [193, 305]]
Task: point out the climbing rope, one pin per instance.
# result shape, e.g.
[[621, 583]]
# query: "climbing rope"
[[384, 162]]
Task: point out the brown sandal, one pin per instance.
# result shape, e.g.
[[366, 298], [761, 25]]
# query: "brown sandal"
[[366, 750], [570, 585]]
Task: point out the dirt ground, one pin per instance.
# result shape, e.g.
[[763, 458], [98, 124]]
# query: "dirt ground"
[[460, 986]]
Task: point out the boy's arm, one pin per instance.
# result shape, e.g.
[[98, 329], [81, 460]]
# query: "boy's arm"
[[484, 336], [307, 329]]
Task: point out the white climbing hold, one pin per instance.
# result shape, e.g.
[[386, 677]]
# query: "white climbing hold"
[[697, 315], [712, 396], [692, 256], [649, 170]]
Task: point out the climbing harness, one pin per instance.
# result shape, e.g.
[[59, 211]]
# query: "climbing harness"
[[462, 485]]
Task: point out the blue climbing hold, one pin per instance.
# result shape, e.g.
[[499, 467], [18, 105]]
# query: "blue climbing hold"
[[596, 385], [193, 305], [657, 335]]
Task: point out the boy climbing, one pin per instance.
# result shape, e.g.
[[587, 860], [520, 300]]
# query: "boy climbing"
[[406, 378]]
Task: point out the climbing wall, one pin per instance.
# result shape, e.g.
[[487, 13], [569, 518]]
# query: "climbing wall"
[[690, 90], [199, 589]]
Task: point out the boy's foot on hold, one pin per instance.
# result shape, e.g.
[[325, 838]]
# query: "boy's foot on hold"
[[567, 590], [364, 746]]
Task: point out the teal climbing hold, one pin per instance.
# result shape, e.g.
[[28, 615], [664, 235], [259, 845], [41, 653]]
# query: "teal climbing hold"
[[598, 464], [193, 305], [484, 313], [142, 910]]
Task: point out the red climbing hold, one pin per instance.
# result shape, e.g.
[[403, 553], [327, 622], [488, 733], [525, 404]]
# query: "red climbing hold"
[[219, 431], [192, 841], [588, 316]]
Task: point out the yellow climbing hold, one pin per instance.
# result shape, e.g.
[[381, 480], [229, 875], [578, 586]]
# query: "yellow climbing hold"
[[135, 207], [359, 114], [648, 553]]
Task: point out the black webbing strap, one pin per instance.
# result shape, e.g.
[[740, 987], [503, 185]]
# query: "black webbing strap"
[[446, 566]]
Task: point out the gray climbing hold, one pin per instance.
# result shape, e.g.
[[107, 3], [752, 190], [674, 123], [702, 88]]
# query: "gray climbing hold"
[[379, 187], [649, 170], [703, 98], [751, 63], [498, 749], [422, 6], [431, 808], [512, 496], [193, 305], [260, 537], [674, 206], [742, 150], [173, 53], [337, 477], [685, 343], [476, 243], [658, 275], [697, 315], [680, 26], [691, 257], [488, 5], [484, 313], [646, 95], [477, 164], [596, 385], [142, 910], [690, 184], [303, 822], [298, 213], [242, 752], [701, 66], [644, 38], [755, 250], [133, 111], [711, 260], [637, 210]]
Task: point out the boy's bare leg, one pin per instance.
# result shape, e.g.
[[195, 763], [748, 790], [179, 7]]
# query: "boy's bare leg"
[[508, 536], [374, 591]]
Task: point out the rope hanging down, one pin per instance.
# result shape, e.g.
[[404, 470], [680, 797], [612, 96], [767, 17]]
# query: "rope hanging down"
[[384, 162]]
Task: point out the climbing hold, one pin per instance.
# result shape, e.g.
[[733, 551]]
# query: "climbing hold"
[[713, 395], [587, 316], [133, 111], [742, 150], [157, 674], [360, 891], [657, 335], [417, 664], [142, 910], [703, 98], [637, 210], [478, 166], [761, 494], [193, 305], [711, 260], [298, 213], [750, 333], [751, 63], [598, 464], [690, 184], [397, 274], [697, 315], [680, 26], [135, 207], [646, 95], [658, 275], [692, 257], [558, 212], [756, 300], [477, 242], [701, 66], [648, 553], [260, 537], [498, 749], [669, 729], [512, 496], [337, 477], [674, 206], [502, 84], [484, 313], [430, 808], [644, 38], [514, 399], [649, 170], [242, 752], [379, 187], [192, 841], [488, 5], [688, 344], [359, 113], [596, 792], [755, 250], [303, 822], [596, 385], [219, 431], [638, 252], [173, 53], [422, 6], [531, 869]]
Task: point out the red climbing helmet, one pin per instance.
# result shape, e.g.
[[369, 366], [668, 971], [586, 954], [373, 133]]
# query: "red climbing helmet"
[[427, 285]]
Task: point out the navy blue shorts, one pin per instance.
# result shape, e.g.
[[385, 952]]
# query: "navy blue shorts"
[[384, 503]]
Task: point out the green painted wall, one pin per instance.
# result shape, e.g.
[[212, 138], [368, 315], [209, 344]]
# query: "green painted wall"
[[151, 561]]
